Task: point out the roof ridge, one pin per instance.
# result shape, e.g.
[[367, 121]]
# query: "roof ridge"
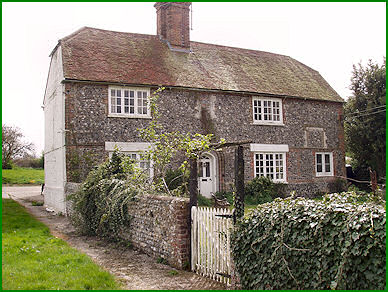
[[66, 38], [238, 48], [120, 32], [208, 44], [70, 36], [266, 52], [152, 35]]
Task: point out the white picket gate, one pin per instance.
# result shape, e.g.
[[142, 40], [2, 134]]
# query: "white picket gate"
[[210, 243]]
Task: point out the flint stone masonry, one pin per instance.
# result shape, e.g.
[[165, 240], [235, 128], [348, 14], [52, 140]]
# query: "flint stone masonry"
[[70, 188], [159, 227], [310, 126]]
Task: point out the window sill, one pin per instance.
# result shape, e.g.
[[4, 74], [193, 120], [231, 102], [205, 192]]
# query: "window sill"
[[268, 124], [129, 116], [324, 175], [280, 182]]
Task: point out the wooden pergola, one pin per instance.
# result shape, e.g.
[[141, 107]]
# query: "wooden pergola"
[[239, 176]]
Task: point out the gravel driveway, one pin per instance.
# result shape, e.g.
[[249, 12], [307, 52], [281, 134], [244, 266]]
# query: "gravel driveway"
[[134, 269]]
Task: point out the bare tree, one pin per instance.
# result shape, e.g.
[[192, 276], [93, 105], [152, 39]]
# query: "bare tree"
[[13, 145]]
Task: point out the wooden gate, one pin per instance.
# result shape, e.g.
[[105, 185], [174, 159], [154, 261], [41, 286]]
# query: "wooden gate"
[[210, 242]]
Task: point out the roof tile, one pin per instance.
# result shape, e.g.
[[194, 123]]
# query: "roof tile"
[[100, 55]]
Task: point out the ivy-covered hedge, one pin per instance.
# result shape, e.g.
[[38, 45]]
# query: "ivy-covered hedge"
[[335, 243]]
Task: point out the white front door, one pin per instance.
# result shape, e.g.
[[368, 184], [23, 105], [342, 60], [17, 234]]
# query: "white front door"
[[207, 178]]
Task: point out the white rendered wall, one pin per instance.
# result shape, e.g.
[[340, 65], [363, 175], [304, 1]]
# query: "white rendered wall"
[[54, 148]]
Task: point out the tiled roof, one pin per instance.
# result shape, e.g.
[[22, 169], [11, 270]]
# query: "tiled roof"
[[100, 55]]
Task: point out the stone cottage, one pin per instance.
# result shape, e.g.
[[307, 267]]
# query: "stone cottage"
[[97, 95]]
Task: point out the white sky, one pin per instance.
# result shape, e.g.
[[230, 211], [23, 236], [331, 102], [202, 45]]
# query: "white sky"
[[329, 37]]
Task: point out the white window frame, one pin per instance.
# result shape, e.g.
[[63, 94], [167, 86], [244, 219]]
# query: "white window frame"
[[139, 161], [331, 161], [259, 111], [135, 114], [129, 148], [268, 150]]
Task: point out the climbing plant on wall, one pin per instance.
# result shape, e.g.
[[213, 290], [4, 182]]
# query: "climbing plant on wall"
[[166, 144], [100, 205]]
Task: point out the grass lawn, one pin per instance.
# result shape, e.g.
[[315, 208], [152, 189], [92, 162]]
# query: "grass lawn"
[[34, 259], [23, 176]]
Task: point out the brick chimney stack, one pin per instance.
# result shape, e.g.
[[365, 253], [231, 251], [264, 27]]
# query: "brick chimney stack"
[[173, 24]]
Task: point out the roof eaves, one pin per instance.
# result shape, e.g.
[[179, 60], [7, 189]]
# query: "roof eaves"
[[66, 80]]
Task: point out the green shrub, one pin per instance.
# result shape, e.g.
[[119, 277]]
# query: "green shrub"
[[100, 206], [7, 164], [174, 178], [29, 162], [262, 190], [334, 243], [204, 202]]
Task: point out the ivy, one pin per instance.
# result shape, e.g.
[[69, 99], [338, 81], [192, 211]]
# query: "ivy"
[[334, 243], [100, 207]]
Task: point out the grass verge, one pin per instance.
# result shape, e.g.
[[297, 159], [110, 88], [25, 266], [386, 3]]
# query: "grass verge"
[[33, 259], [20, 175]]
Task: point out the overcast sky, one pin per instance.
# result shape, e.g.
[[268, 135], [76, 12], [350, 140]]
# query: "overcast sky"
[[329, 37]]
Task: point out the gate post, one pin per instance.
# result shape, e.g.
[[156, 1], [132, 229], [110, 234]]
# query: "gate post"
[[193, 182], [239, 182], [239, 207], [193, 192]]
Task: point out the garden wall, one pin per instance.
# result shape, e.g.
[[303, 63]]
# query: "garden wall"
[[159, 227]]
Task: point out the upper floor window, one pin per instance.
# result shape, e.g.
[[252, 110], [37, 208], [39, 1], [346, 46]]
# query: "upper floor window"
[[267, 111], [324, 164], [129, 102]]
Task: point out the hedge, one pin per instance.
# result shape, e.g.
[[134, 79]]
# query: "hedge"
[[335, 243]]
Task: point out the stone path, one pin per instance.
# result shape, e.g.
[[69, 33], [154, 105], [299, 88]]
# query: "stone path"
[[20, 191], [134, 269]]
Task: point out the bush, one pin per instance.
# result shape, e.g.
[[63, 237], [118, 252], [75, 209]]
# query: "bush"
[[335, 243], [174, 178], [204, 202], [7, 164], [262, 190], [29, 162], [100, 206]]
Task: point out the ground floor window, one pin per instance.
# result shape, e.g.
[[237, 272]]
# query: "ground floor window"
[[270, 161], [135, 150], [324, 164], [139, 158], [272, 165]]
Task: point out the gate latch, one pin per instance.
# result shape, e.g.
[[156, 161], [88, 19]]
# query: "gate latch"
[[232, 216], [224, 275], [225, 215]]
